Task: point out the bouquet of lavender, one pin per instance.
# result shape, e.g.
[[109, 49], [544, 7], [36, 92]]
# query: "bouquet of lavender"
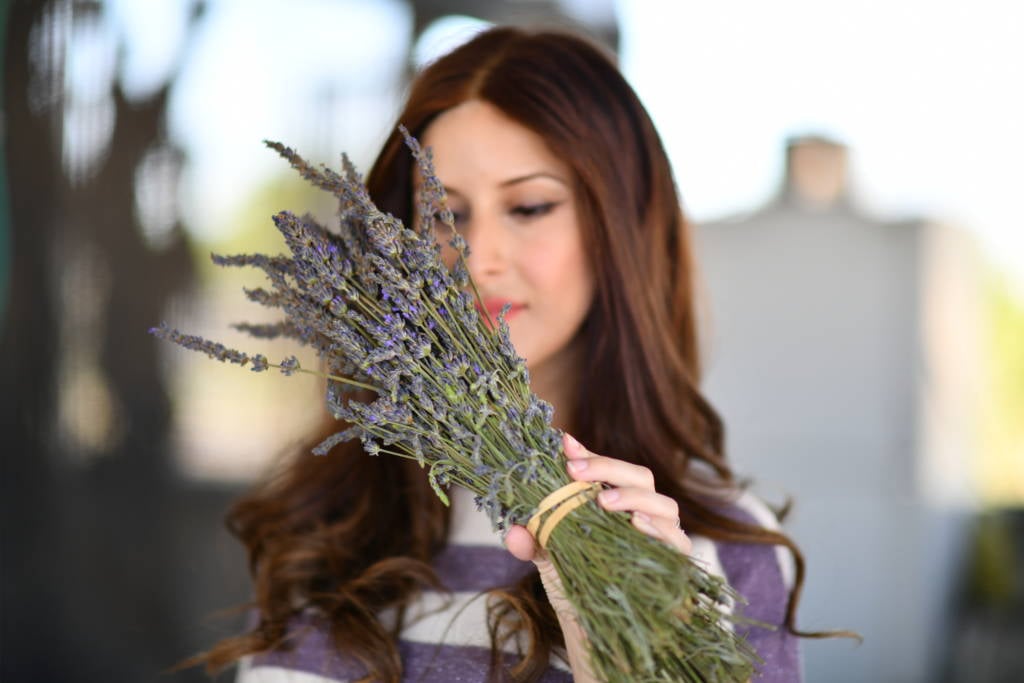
[[384, 312]]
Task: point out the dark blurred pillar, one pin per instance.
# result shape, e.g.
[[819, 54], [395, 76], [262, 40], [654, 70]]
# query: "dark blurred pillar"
[[89, 562], [28, 343]]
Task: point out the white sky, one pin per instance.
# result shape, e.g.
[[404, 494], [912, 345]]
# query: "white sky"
[[927, 94]]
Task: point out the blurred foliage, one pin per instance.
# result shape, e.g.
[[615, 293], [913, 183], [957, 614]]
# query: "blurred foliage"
[[1002, 472], [252, 229], [232, 424], [992, 580]]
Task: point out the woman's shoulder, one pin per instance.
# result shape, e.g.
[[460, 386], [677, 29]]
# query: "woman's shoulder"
[[735, 558], [742, 557], [763, 574]]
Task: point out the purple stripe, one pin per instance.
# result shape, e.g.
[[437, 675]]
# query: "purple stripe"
[[754, 571], [465, 568], [423, 662], [429, 663]]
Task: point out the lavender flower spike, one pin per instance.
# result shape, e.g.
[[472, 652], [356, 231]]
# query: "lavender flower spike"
[[212, 349]]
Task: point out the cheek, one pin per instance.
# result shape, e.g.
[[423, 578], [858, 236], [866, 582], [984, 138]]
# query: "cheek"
[[562, 276]]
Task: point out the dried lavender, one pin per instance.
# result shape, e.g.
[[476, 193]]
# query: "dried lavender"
[[384, 313]]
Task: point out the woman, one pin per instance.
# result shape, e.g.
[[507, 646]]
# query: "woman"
[[561, 186]]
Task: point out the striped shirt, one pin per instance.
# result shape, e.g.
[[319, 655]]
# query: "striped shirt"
[[445, 638]]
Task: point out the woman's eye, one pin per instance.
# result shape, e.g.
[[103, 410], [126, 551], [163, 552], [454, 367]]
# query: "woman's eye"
[[533, 210], [457, 217]]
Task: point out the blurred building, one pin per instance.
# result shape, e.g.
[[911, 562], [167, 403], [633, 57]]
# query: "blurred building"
[[841, 352]]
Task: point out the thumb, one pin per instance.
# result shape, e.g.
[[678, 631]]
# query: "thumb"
[[520, 543]]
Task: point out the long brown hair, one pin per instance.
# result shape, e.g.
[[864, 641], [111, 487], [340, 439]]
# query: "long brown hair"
[[353, 535]]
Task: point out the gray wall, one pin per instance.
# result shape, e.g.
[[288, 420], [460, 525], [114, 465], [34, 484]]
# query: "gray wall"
[[816, 357]]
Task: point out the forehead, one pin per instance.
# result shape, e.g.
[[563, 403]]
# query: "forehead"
[[476, 142]]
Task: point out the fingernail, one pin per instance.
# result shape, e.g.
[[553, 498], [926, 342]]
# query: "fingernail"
[[609, 496], [577, 465], [572, 442], [642, 517]]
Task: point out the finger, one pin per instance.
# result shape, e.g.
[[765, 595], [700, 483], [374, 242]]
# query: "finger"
[[585, 465], [520, 543], [639, 500], [574, 450], [664, 530], [618, 473]]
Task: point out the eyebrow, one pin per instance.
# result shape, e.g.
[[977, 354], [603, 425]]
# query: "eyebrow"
[[511, 181], [531, 176]]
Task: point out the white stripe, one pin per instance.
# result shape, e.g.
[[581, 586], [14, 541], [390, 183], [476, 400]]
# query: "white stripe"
[[456, 619], [705, 553], [277, 674], [469, 526], [763, 515]]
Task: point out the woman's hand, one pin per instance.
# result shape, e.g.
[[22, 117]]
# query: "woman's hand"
[[632, 490]]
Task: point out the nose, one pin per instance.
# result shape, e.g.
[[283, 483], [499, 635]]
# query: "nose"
[[489, 247]]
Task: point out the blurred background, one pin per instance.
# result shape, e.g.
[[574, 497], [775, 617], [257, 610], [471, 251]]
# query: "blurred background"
[[854, 170]]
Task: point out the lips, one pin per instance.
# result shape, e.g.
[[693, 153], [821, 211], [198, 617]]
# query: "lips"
[[494, 305]]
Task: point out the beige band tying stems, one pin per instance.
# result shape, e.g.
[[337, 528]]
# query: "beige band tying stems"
[[560, 502]]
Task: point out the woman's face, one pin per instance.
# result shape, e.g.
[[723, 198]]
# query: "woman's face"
[[514, 203]]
